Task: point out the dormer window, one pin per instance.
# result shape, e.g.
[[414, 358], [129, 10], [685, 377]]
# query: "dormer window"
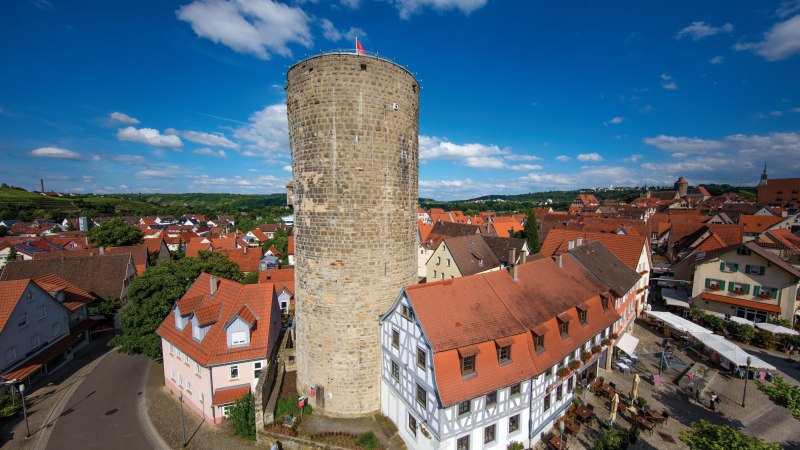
[[538, 340], [582, 315], [604, 302], [238, 338], [563, 328], [504, 354], [467, 365]]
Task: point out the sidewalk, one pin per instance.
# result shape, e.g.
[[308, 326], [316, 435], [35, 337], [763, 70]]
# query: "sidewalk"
[[47, 393], [165, 415]]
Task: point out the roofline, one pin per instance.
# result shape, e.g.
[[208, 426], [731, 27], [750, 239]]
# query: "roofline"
[[347, 52]]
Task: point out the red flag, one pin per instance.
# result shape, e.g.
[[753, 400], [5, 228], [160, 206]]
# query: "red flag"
[[359, 48]]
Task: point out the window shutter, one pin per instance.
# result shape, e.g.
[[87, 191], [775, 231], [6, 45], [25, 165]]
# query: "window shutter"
[[708, 282], [747, 289], [736, 267], [774, 293], [722, 285], [747, 268], [722, 266], [762, 270], [756, 290]]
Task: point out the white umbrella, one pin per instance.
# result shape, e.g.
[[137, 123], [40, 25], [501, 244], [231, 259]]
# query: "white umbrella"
[[635, 388], [614, 405]]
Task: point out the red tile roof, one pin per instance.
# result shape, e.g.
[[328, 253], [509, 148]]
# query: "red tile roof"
[[230, 297], [281, 278], [10, 293], [627, 248], [505, 226], [779, 191], [75, 297], [472, 312], [290, 246], [757, 224], [229, 395]]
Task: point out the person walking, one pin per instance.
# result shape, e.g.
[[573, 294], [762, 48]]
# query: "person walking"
[[713, 403]]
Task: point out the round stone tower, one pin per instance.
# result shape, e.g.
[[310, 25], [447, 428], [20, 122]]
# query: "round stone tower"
[[353, 131], [682, 186]]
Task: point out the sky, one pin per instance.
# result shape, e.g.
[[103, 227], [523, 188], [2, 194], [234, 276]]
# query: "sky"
[[516, 96]]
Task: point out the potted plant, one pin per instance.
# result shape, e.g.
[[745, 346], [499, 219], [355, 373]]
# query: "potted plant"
[[586, 356], [606, 341], [641, 401], [765, 295], [596, 349], [602, 379], [633, 434], [562, 372], [714, 287], [574, 364], [614, 336]]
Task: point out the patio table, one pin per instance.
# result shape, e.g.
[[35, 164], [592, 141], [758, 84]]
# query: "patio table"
[[583, 413]]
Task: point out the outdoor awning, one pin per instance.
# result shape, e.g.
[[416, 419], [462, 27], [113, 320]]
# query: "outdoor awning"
[[675, 297], [627, 343], [776, 329], [742, 302], [678, 323], [673, 302], [731, 351]]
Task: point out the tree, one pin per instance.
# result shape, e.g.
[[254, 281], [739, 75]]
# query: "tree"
[[70, 226], [3, 231], [280, 240], [12, 254], [153, 294], [115, 233], [250, 278], [707, 436], [531, 231], [243, 417], [783, 394], [179, 253]]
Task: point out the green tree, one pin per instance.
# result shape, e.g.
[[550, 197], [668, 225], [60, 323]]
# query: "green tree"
[[3, 231], [531, 231], [707, 436], [243, 417], [12, 254], [179, 253], [280, 240], [153, 294], [70, 226], [250, 278], [115, 233], [783, 394]]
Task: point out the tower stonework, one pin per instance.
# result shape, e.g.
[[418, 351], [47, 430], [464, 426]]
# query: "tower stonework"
[[353, 131]]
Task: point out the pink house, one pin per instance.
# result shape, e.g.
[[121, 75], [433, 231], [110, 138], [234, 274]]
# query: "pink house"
[[217, 341]]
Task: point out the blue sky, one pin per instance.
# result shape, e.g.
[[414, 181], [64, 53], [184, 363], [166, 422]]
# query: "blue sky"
[[517, 96]]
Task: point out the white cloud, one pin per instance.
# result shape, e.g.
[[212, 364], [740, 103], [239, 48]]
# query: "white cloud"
[[118, 117], [614, 121], [287, 168], [210, 139], [96, 158], [267, 132], [683, 144], [563, 158], [431, 147], [149, 136], [667, 82], [258, 182], [679, 155], [781, 42], [776, 113], [633, 158], [87, 178], [716, 60], [549, 179], [589, 157], [700, 30], [129, 159], [409, 7], [332, 33], [258, 27], [209, 152], [525, 167], [353, 4], [522, 158], [152, 173], [54, 152], [788, 8], [484, 162]]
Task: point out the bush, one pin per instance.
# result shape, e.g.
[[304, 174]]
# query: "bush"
[[783, 394], [713, 322], [766, 339], [9, 405], [368, 441], [612, 440], [741, 332], [585, 356], [514, 445], [705, 435], [243, 417]]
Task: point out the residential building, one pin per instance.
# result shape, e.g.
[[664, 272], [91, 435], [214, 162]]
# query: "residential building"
[[473, 362], [783, 192], [459, 257], [747, 281], [216, 342]]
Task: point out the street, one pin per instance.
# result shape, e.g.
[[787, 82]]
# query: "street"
[[102, 411]]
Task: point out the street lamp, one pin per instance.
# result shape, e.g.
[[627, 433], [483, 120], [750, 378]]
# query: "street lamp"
[[561, 435], [746, 376], [183, 422], [24, 410]]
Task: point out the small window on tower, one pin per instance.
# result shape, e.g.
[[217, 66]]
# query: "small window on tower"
[[363, 67]]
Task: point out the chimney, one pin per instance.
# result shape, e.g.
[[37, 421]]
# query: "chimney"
[[512, 264], [523, 258], [213, 282], [244, 249], [41, 184], [102, 250], [557, 257]]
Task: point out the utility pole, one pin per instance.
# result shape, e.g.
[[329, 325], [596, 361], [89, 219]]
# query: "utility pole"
[[183, 422]]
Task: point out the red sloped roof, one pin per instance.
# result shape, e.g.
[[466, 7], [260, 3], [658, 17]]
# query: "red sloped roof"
[[627, 248], [290, 246], [10, 293], [757, 224], [281, 278], [75, 296], [229, 395], [741, 302]]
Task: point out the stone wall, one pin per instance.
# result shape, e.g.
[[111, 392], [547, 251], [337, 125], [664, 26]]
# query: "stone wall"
[[353, 130]]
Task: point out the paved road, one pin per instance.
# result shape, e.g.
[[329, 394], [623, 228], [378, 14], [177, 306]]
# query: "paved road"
[[102, 412]]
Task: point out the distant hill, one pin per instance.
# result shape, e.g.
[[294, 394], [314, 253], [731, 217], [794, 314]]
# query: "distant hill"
[[240, 202]]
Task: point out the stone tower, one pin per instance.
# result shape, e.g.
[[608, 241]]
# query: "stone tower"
[[682, 186], [353, 131], [763, 180]]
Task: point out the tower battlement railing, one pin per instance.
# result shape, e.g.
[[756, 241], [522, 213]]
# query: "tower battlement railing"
[[352, 51]]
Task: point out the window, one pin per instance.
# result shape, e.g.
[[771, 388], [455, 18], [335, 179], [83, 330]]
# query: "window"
[[715, 285], [395, 371], [11, 355], [171, 349], [412, 425], [186, 358], [754, 270], [504, 354], [35, 340], [739, 288], [765, 292], [728, 267], [464, 407], [180, 379], [434, 274], [422, 397], [188, 385], [582, 316], [604, 302], [438, 260], [468, 365], [238, 338], [408, 313], [743, 251], [23, 321], [546, 401], [234, 372], [538, 343], [363, 67], [422, 358], [226, 410], [448, 262], [563, 328], [513, 423], [56, 328], [197, 368], [570, 384], [196, 332], [256, 369], [491, 398], [489, 433], [42, 310], [395, 339], [462, 443], [515, 389], [560, 393], [172, 373]]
